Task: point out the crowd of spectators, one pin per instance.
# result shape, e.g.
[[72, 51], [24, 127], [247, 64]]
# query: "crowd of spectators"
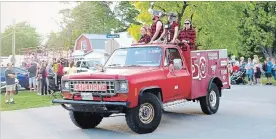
[[253, 69], [40, 72]]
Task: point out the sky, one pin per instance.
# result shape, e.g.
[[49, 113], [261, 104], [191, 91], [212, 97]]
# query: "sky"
[[41, 15]]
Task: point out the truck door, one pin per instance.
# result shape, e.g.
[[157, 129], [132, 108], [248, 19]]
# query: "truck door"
[[178, 77]]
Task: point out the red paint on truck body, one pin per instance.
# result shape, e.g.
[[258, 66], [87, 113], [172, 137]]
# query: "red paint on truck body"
[[189, 82]]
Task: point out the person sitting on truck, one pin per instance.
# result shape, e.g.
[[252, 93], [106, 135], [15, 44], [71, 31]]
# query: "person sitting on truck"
[[172, 31], [156, 28], [145, 36], [188, 35]]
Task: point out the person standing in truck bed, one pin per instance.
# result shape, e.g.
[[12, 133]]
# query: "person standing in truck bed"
[[188, 34], [156, 28], [172, 31]]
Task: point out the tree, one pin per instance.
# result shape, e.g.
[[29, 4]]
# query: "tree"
[[54, 41], [26, 37], [87, 17], [258, 28], [216, 23], [126, 12]]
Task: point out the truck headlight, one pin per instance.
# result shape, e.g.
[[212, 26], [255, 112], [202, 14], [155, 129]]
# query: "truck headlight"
[[122, 86], [65, 85]]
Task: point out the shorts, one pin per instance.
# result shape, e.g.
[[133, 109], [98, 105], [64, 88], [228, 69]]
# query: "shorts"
[[250, 77], [268, 75], [258, 75], [32, 81], [10, 87]]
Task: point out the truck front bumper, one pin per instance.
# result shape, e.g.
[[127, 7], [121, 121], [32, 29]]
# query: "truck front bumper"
[[92, 106]]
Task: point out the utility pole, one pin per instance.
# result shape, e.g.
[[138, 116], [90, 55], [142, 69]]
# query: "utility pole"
[[0, 36], [13, 44]]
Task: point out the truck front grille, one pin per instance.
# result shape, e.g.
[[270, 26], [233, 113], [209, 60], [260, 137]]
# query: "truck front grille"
[[110, 87]]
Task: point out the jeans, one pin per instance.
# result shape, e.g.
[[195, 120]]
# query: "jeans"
[[43, 86]]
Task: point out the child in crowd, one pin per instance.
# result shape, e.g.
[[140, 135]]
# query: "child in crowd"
[[258, 72], [249, 71], [274, 68]]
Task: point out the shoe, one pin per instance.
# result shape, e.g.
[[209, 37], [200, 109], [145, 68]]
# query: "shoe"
[[7, 103], [12, 102]]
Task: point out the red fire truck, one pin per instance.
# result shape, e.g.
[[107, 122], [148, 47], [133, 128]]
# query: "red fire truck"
[[142, 81]]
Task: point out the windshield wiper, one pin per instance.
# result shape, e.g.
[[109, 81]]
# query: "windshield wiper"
[[133, 65], [114, 65]]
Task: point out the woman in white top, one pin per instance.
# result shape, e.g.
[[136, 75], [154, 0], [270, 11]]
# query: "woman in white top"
[[72, 69]]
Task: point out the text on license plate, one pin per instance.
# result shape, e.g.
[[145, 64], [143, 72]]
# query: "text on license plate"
[[90, 87]]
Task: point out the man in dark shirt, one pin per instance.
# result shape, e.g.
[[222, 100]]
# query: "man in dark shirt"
[[32, 76], [10, 83]]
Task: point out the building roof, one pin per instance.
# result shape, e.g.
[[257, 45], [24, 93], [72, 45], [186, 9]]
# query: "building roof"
[[125, 39], [96, 36]]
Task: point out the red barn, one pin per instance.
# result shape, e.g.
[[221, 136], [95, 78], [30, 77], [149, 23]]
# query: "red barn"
[[88, 42]]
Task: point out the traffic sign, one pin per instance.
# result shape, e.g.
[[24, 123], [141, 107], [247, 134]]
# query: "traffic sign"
[[113, 36]]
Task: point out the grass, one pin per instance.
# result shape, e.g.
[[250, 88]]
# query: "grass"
[[25, 100], [264, 80]]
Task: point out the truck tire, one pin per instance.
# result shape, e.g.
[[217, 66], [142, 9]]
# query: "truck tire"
[[146, 117], [210, 103], [85, 120]]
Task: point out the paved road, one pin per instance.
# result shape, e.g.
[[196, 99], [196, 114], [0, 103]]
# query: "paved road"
[[246, 112]]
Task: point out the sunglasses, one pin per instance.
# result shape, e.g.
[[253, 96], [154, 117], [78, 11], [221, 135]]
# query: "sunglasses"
[[186, 23]]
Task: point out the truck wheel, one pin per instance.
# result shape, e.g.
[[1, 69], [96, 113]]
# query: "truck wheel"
[[146, 117], [210, 103], [85, 120]]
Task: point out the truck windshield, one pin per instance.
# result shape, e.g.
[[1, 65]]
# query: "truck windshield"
[[135, 56]]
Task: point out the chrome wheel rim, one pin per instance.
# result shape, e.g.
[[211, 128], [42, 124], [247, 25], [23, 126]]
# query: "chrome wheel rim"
[[146, 113], [213, 98]]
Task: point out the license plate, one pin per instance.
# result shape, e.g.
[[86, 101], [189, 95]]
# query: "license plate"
[[86, 96], [90, 87]]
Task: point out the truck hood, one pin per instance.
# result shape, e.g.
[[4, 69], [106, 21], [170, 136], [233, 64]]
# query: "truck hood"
[[113, 73]]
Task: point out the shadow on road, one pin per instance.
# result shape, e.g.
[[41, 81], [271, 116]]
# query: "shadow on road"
[[107, 132], [169, 119]]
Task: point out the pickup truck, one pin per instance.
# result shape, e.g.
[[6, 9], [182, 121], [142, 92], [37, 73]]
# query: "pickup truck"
[[142, 81]]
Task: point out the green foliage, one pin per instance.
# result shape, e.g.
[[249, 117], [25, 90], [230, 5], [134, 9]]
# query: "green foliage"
[[216, 23], [125, 11], [54, 41], [25, 37], [258, 28], [93, 17]]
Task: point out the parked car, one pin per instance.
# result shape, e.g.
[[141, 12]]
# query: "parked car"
[[85, 66], [3, 86], [22, 76]]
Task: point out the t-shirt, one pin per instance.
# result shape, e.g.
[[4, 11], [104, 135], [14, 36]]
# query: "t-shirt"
[[269, 66], [32, 71], [60, 69], [49, 70], [55, 67], [9, 80], [242, 65], [72, 70], [235, 68], [249, 68]]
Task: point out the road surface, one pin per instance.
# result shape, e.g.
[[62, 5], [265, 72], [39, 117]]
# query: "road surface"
[[246, 112]]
